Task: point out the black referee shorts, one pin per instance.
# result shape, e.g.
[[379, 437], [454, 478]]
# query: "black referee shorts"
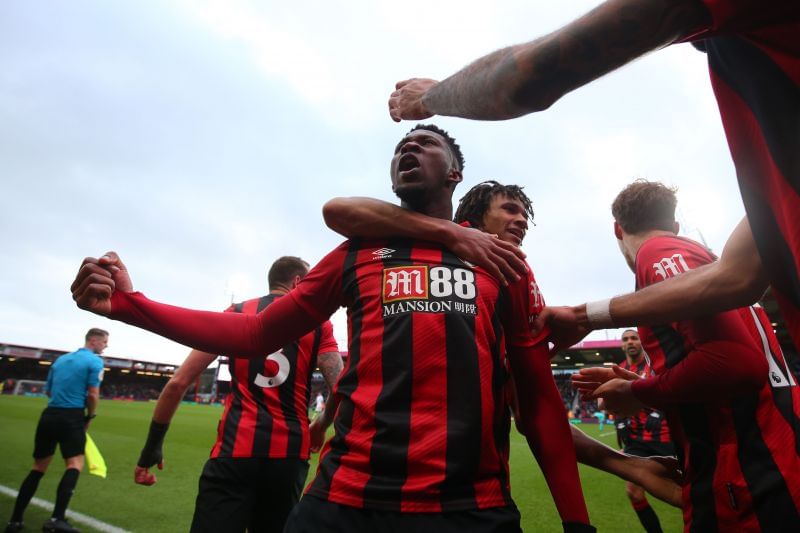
[[253, 493], [649, 449], [61, 426], [314, 515]]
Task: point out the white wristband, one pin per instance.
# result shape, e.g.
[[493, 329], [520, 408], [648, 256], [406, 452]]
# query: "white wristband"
[[599, 314]]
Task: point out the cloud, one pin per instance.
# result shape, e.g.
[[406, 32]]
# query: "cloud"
[[201, 139]]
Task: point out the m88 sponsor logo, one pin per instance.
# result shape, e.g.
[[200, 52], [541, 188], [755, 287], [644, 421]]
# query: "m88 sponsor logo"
[[422, 288]]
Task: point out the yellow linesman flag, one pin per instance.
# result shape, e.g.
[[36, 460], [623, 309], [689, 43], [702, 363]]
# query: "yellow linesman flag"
[[95, 461]]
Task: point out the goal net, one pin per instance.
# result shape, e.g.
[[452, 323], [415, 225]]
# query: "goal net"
[[29, 387]]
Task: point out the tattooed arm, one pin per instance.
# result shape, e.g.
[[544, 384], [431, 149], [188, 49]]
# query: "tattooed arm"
[[521, 79]]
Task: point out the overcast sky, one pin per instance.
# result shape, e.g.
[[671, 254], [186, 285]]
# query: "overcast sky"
[[200, 140]]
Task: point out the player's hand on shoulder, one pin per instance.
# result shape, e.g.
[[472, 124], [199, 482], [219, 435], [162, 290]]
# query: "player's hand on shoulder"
[[406, 102], [501, 259], [96, 281]]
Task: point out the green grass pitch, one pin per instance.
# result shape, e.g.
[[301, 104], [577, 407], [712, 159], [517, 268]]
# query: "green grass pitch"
[[120, 430]]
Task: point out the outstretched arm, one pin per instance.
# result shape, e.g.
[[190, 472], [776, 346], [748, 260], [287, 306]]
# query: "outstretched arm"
[[544, 423], [738, 366], [521, 79], [370, 218], [659, 476], [100, 288], [737, 279], [168, 402]]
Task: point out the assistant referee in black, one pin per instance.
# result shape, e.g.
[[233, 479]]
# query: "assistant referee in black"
[[73, 386]]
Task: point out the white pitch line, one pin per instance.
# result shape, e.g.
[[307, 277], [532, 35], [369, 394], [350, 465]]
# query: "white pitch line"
[[75, 516]]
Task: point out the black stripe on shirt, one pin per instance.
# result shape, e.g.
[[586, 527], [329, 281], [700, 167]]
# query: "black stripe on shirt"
[[462, 457], [286, 395], [348, 381], [671, 344], [771, 498], [776, 254], [262, 433], [769, 92], [774, 99], [500, 378], [392, 411], [231, 421], [702, 462], [784, 403]]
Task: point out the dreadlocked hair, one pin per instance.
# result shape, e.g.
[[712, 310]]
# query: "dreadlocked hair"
[[455, 149], [473, 205]]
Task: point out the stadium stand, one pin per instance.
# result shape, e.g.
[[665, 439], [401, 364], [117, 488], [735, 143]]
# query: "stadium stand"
[[136, 380]]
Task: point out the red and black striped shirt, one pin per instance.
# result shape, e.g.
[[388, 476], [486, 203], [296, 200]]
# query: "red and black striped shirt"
[[423, 421], [640, 430], [423, 424], [754, 60], [741, 453], [266, 413]]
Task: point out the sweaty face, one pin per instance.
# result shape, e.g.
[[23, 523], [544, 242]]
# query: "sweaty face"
[[631, 345], [506, 218], [421, 164]]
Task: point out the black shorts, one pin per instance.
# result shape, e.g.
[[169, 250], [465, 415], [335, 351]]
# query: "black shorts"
[[253, 493], [649, 449], [61, 426], [314, 515]]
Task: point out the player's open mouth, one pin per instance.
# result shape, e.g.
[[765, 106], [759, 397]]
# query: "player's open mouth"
[[407, 162]]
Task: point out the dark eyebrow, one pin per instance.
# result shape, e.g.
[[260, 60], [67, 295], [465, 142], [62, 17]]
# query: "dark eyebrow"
[[418, 136]]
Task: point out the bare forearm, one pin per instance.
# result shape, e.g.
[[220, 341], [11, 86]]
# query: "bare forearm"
[[694, 294], [594, 453], [369, 218], [327, 414], [736, 280], [92, 400], [175, 389], [656, 477], [168, 402], [330, 364], [530, 77]]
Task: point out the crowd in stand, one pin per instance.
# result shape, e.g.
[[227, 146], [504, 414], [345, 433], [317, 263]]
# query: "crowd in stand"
[[129, 391], [575, 407]]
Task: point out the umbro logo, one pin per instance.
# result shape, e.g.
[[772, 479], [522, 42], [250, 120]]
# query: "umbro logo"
[[382, 253]]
